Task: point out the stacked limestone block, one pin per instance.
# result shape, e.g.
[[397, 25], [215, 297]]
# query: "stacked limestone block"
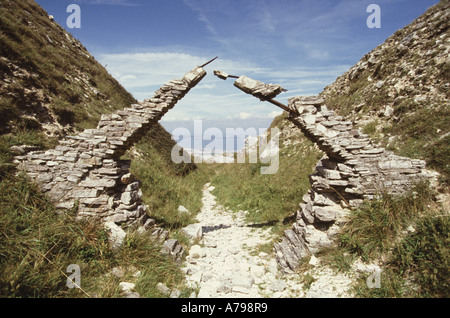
[[85, 171], [258, 89], [352, 170]]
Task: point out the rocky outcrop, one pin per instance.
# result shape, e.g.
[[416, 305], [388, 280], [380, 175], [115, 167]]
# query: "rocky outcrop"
[[352, 170], [399, 92], [85, 172], [409, 71]]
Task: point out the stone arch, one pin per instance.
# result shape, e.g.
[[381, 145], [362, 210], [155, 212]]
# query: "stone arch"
[[86, 169]]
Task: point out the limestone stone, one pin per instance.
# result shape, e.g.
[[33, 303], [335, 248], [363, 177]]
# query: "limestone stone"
[[127, 287], [117, 235], [175, 293], [132, 186], [243, 280], [193, 231], [331, 174], [306, 214], [118, 218], [183, 210], [129, 197], [94, 193], [278, 286], [196, 251], [324, 214], [162, 288], [149, 223]]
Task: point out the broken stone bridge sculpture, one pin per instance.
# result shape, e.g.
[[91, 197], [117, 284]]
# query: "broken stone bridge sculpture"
[[85, 172]]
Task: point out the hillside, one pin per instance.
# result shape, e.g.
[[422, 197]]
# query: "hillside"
[[49, 80], [399, 92], [51, 87], [49, 83], [398, 95]]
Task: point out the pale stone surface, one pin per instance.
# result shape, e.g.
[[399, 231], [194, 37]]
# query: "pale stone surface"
[[193, 231], [221, 265], [117, 235]]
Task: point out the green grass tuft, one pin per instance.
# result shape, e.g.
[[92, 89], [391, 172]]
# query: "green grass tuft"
[[407, 235]]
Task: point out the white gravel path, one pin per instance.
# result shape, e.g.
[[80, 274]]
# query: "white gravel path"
[[226, 262]]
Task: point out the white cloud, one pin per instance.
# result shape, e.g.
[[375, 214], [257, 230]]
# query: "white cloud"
[[207, 86], [244, 115], [142, 73], [201, 16]]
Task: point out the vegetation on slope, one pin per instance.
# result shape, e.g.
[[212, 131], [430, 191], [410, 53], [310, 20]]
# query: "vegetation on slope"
[[47, 77], [408, 236], [49, 86], [37, 245], [398, 94]]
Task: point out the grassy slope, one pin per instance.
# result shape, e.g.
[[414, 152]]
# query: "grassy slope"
[[31, 228], [37, 245], [44, 67], [408, 236]]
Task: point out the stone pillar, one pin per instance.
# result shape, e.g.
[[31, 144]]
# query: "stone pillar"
[[352, 169], [85, 170]]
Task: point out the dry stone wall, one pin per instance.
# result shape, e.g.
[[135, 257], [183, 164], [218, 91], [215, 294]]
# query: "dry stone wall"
[[85, 170], [352, 169]]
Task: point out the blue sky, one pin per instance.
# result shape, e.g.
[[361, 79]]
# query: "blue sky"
[[303, 45]]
